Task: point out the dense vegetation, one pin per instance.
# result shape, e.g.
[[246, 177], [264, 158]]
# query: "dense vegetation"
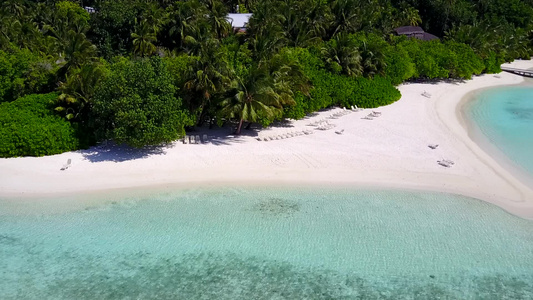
[[28, 126], [141, 72]]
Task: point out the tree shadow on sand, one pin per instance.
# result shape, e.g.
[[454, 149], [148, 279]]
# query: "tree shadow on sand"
[[120, 153]]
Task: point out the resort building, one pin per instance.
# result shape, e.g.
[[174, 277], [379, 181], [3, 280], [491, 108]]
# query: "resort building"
[[415, 32]]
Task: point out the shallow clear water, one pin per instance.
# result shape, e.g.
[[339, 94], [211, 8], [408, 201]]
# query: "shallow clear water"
[[505, 116], [268, 243]]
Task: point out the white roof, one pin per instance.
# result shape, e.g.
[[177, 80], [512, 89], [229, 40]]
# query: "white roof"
[[238, 20]]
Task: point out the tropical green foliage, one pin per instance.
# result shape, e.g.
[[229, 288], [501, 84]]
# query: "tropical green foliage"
[[335, 89], [78, 91], [137, 105], [22, 72], [29, 127], [139, 71]]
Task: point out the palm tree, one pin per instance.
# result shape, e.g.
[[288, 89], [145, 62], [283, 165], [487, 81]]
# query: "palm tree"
[[410, 16], [347, 16], [15, 8], [263, 92], [144, 38], [210, 75], [252, 98], [373, 59], [265, 31], [78, 90], [189, 25], [217, 17], [288, 77], [341, 54], [77, 50]]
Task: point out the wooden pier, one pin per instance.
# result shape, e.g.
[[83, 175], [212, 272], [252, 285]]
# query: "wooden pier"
[[521, 72]]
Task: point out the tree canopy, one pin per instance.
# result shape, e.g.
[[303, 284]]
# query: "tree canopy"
[[142, 71]]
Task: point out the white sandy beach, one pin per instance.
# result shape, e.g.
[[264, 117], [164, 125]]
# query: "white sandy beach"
[[389, 151]]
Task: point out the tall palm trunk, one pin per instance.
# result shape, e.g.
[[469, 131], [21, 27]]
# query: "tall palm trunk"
[[239, 127]]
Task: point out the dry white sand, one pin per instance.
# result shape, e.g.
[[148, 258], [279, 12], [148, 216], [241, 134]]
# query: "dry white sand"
[[389, 151]]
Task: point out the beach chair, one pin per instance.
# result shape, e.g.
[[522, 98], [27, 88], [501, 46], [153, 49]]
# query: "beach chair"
[[355, 108], [426, 94], [433, 146], [450, 162], [369, 117], [205, 138], [185, 139], [67, 165], [444, 163], [339, 131], [198, 141], [191, 139]]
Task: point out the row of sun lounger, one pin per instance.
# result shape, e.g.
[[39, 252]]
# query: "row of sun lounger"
[[194, 139], [325, 126], [282, 136], [339, 114], [372, 115]]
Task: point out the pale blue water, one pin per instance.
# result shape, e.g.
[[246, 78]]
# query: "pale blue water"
[[505, 117], [267, 243]]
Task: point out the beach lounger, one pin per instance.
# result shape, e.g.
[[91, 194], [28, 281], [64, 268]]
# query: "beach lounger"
[[433, 146], [369, 117], [185, 139], [450, 162], [445, 163], [205, 138], [426, 94], [198, 139], [339, 131], [67, 165], [355, 108], [191, 139]]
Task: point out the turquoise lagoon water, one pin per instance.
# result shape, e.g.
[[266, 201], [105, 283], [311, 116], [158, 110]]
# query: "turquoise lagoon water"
[[266, 243], [505, 117]]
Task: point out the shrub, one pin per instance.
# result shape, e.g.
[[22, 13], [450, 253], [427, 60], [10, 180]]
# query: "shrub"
[[334, 89], [137, 104], [23, 72], [29, 127]]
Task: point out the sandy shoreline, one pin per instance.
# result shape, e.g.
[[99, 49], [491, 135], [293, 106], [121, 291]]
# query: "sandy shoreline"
[[389, 151], [484, 143]]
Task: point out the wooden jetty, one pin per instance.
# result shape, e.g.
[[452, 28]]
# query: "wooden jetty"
[[521, 72]]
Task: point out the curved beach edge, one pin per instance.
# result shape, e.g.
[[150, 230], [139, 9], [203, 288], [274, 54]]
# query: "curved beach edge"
[[386, 151]]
